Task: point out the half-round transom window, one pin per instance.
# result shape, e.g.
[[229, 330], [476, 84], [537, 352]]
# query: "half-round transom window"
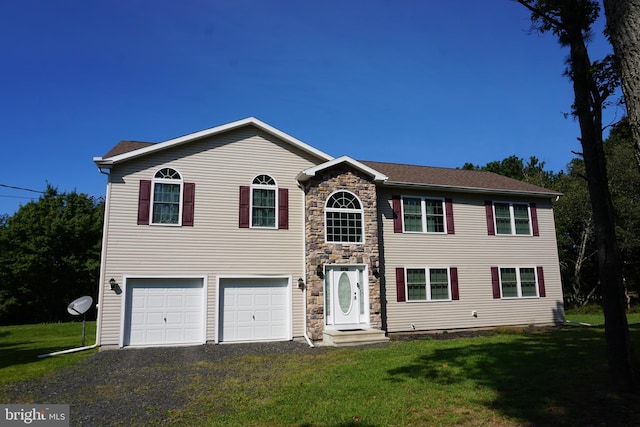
[[167, 173], [263, 180]]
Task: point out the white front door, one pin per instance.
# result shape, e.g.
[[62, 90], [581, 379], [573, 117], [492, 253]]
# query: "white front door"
[[346, 297]]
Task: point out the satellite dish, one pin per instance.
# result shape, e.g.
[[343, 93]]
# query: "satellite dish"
[[80, 306]]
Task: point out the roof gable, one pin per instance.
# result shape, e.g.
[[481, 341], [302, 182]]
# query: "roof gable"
[[375, 175], [127, 150]]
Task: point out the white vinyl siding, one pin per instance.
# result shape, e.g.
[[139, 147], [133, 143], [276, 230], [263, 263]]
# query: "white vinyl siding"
[[473, 252], [214, 245]]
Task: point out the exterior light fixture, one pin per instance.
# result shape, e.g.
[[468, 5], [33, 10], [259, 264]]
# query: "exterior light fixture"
[[113, 284], [374, 269], [319, 271], [300, 283]]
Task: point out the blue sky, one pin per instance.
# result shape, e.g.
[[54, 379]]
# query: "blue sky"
[[437, 83]]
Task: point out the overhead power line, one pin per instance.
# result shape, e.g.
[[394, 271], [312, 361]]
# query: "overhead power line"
[[21, 188]]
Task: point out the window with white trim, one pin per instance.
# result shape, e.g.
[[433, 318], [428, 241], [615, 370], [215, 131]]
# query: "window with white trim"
[[518, 282], [263, 202], [167, 194], [512, 218], [343, 218], [423, 215], [428, 284]]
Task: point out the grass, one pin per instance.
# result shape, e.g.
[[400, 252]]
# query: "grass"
[[508, 377], [511, 377], [21, 345]]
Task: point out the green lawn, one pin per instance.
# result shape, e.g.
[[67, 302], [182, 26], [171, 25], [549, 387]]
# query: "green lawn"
[[508, 377], [21, 345]]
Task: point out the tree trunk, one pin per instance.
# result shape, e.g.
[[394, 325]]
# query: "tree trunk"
[[623, 25], [588, 108]]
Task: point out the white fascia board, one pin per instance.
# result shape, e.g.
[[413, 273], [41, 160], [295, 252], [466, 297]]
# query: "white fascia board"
[[311, 172], [106, 163]]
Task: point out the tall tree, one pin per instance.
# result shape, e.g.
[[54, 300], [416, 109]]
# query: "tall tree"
[[623, 28], [49, 255], [570, 21]]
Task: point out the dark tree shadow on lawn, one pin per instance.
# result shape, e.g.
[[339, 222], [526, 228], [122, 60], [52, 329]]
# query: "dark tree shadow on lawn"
[[556, 377]]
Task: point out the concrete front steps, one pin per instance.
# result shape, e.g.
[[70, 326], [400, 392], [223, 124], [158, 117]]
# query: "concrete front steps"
[[346, 338]]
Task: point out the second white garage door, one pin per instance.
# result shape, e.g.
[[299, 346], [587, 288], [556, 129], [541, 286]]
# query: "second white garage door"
[[254, 310]]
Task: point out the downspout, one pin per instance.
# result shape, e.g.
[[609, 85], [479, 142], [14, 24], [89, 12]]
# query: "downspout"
[[304, 265], [103, 257], [100, 283], [71, 350]]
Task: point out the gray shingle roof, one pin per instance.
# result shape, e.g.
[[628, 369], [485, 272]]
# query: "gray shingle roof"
[[414, 175], [400, 174], [125, 147]]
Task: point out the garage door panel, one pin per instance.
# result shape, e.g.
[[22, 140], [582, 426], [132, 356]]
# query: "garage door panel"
[[254, 309], [164, 312], [153, 319], [156, 301]]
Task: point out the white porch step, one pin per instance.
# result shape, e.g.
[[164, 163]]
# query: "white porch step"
[[356, 337]]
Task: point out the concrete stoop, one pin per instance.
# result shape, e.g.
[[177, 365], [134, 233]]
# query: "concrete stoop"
[[356, 337]]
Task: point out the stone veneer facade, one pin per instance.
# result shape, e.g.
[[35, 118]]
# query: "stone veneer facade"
[[318, 252]]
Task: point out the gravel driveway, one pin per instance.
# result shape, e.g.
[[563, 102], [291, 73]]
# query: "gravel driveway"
[[132, 386]]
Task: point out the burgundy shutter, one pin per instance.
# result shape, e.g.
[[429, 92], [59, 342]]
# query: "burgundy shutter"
[[455, 295], [283, 208], [144, 202], [534, 219], [397, 214], [400, 285], [188, 197], [541, 289], [495, 282], [448, 207], [488, 207], [245, 193]]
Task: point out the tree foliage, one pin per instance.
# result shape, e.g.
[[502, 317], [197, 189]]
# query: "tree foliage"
[[50, 255], [514, 167], [574, 223]]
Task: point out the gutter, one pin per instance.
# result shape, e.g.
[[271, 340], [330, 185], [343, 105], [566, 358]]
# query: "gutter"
[[472, 189]]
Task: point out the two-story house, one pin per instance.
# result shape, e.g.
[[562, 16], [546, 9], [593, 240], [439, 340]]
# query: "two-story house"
[[244, 233]]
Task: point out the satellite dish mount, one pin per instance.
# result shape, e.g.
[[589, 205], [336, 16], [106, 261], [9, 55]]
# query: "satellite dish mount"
[[79, 307]]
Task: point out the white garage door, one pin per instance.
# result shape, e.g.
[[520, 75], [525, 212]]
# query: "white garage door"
[[164, 312], [254, 310]]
